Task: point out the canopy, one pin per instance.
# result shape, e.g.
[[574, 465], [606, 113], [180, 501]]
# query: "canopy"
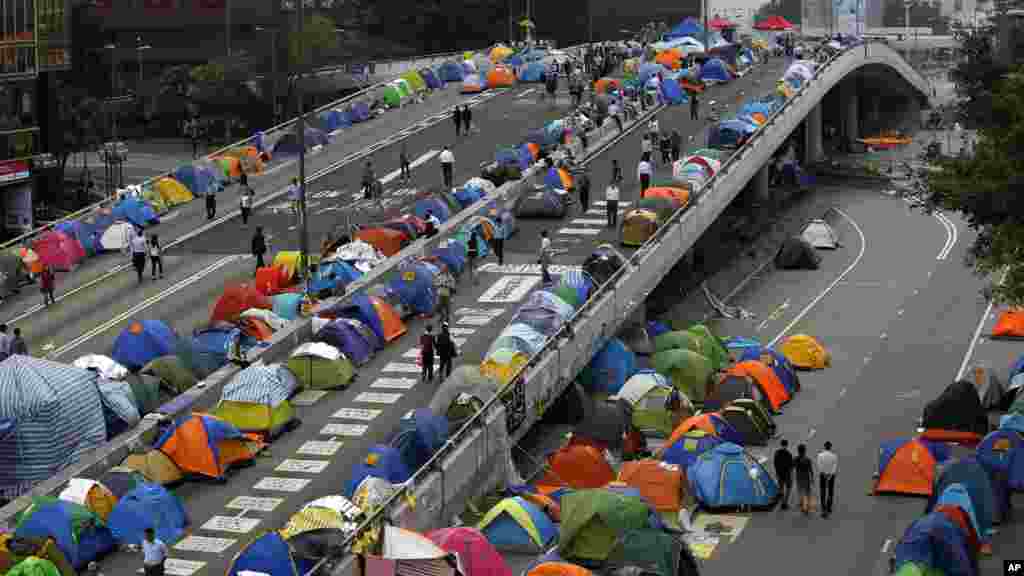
[[205, 445], [773, 23], [727, 476], [143, 341]]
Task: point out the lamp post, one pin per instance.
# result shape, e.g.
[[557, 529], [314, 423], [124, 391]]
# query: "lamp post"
[[113, 88], [273, 63], [139, 49], [300, 127]]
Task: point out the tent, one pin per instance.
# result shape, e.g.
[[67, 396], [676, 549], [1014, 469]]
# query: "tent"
[[115, 237], [50, 415], [577, 465], [1002, 452], [805, 352], [173, 375], [431, 79], [532, 72], [154, 466], [289, 144], [208, 349], [375, 313], [136, 211], [603, 263], [500, 77], [688, 27], [332, 275], [715, 70], [991, 389], [198, 180], [543, 312], [781, 365], [958, 409], [682, 340], [1009, 324], [609, 369], [638, 226], [462, 394], [729, 134], [451, 72], [683, 450], [688, 371], [350, 338], [256, 400], [381, 462], [650, 395], [938, 543], [554, 568], [679, 194], [819, 234], [80, 535], [727, 477], [718, 355], [93, 495], [34, 566], [727, 388], [106, 367], [503, 364], [269, 555], [604, 423], [542, 203], [477, 557], [979, 486], [710, 422], [320, 366], [287, 305], [767, 381], [517, 525], [435, 205], [388, 242], [574, 287], [119, 410], [405, 553], [956, 495], [143, 341], [148, 506], [797, 254], [419, 437], [58, 250], [662, 485], [558, 178], [236, 299], [749, 426], [392, 95], [593, 520], [909, 466], [205, 445], [415, 81], [172, 191], [473, 83], [321, 526], [415, 287], [773, 23]]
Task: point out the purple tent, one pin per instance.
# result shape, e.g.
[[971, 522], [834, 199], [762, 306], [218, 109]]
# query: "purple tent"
[[343, 335]]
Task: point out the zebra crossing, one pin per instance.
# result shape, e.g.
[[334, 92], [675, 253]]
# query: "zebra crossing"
[[589, 224]]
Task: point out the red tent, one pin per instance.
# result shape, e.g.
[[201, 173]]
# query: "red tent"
[[58, 250], [237, 299], [719, 23], [774, 24]]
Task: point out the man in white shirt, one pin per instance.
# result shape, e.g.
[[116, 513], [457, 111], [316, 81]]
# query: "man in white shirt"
[[154, 554], [643, 174], [545, 257], [611, 204], [652, 128], [137, 245], [615, 113], [447, 162], [827, 464]]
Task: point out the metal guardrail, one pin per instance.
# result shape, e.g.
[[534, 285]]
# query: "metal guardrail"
[[568, 328]]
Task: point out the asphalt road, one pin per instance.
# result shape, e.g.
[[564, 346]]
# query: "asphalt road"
[[481, 312]]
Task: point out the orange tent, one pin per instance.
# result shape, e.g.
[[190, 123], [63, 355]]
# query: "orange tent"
[[662, 484], [672, 193], [952, 436], [256, 328], [558, 569], [908, 469], [237, 299], [394, 328], [691, 87], [545, 503], [1010, 324], [534, 149], [500, 77], [389, 242], [565, 178], [206, 445], [603, 85], [577, 465], [670, 58], [231, 166], [710, 423], [273, 279], [765, 378]]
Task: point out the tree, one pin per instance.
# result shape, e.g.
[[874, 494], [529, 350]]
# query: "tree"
[[80, 118], [975, 74], [985, 187], [319, 40]]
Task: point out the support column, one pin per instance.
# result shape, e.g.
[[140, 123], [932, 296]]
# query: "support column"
[[849, 108], [759, 190], [813, 147]]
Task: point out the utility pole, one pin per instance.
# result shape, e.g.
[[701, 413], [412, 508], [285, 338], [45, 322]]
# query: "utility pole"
[[707, 33], [227, 27], [300, 127]]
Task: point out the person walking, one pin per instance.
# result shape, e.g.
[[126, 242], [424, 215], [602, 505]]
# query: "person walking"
[[583, 185], [47, 284], [154, 554], [644, 172], [646, 145], [156, 256], [677, 145], [666, 148], [446, 352], [803, 470], [500, 232], [544, 258], [694, 106], [369, 177], [653, 129], [427, 355], [432, 223], [5, 343], [211, 205], [445, 284], [18, 345], [447, 163], [457, 118], [245, 205], [403, 160], [784, 473], [243, 177], [472, 253], [616, 113], [137, 245], [467, 120], [259, 247], [828, 465]]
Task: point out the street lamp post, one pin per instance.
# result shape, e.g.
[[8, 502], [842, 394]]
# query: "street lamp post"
[[273, 63], [113, 89], [139, 49], [300, 127]]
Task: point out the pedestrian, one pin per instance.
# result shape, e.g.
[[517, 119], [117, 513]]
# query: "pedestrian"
[[445, 287], [211, 205], [803, 470], [616, 113], [156, 256], [500, 233], [467, 120], [583, 185], [544, 258], [446, 352], [828, 465], [245, 205], [18, 345], [47, 283], [677, 145], [403, 160], [457, 118], [643, 173], [137, 245], [616, 172], [5, 343], [784, 473], [646, 146], [694, 106], [154, 554], [447, 163], [192, 129], [368, 179], [243, 177], [259, 247], [652, 128], [427, 355], [472, 253], [666, 148]]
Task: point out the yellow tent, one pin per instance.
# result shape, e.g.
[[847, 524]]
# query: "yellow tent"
[[326, 513], [90, 494], [155, 466], [289, 261], [805, 352], [502, 365], [415, 80], [155, 199], [173, 192], [500, 52]]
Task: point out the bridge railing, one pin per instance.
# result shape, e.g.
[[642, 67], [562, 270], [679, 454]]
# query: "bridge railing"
[[551, 349]]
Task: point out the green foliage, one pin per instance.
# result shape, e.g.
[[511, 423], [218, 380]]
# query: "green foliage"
[[318, 39], [975, 74], [211, 72], [986, 188]]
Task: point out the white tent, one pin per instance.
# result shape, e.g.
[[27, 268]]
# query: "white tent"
[[108, 368], [116, 237], [819, 234]]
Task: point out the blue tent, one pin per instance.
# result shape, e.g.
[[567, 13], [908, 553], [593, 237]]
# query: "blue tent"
[[289, 143], [331, 120], [970, 473], [518, 525], [673, 93], [515, 60], [541, 203], [419, 437], [143, 341], [415, 287], [553, 180], [655, 328], [956, 495], [136, 211], [287, 305], [436, 206], [721, 478], [429, 79], [333, 275], [148, 506], [756, 108], [780, 365], [580, 282], [1002, 452], [382, 462], [344, 336], [85, 233], [453, 255], [525, 157], [80, 542], [451, 72], [609, 369], [544, 312], [199, 180], [359, 112], [270, 554], [688, 27], [648, 70], [715, 69], [935, 541], [468, 195], [508, 156], [1016, 368], [210, 347], [532, 72], [729, 134], [686, 449]]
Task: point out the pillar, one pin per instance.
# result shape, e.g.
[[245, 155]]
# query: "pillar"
[[759, 186], [849, 108], [813, 147]]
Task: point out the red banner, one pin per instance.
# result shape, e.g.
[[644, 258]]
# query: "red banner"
[[210, 6], [161, 5]]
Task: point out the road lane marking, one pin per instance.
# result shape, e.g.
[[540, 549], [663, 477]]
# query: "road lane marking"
[[178, 567], [308, 397], [774, 315], [205, 544], [830, 287], [394, 383], [526, 92], [304, 466], [145, 304], [581, 231], [277, 484], [462, 331], [377, 398], [952, 234], [590, 221], [977, 335], [344, 429], [364, 414], [231, 524], [401, 368], [254, 503], [320, 447]]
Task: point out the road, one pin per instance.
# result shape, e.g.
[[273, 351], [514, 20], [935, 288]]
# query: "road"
[[481, 312]]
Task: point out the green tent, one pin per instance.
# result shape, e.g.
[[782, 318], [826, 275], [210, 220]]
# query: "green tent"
[[689, 372], [391, 96], [681, 340], [415, 81], [320, 366], [404, 88], [915, 569], [146, 390], [1018, 404], [654, 551], [568, 294], [718, 355], [174, 376], [594, 520], [33, 566]]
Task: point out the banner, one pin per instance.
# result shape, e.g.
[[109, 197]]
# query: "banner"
[[18, 207]]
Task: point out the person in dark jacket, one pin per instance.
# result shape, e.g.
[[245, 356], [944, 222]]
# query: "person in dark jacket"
[[467, 120], [259, 247], [784, 473], [211, 205], [803, 469], [47, 284], [427, 355], [457, 118], [583, 184], [18, 345], [445, 352], [677, 145]]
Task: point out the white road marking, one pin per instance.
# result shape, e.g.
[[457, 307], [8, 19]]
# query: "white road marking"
[[254, 503], [401, 368], [492, 312], [603, 203], [304, 466], [205, 544], [884, 335], [276, 484], [581, 231], [231, 524], [474, 320], [977, 334], [886, 546], [842, 392], [415, 163], [509, 289], [394, 383], [178, 567], [556, 269], [308, 397], [600, 211], [590, 221], [462, 331], [526, 92], [364, 414], [320, 447], [344, 429], [819, 297], [378, 398], [951, 235]]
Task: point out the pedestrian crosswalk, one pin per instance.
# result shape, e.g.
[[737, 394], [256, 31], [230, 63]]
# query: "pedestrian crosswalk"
[[587, 225]]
